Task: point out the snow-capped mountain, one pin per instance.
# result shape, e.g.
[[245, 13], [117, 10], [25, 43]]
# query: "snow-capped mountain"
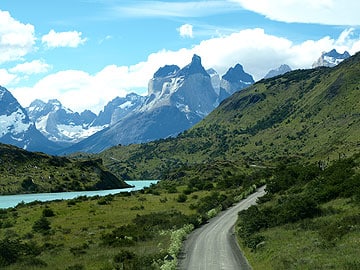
[[330, 59], [188, 89], [17, 129], [118, 108], [177, 99], [234, 80], [60, 124], [278, 71]]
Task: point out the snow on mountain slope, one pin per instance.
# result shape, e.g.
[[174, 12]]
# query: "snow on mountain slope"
[[330, 59], [60, 124], [17, 129]]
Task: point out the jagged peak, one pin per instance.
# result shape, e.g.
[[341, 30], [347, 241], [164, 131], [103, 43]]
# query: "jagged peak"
[[37, 102], [193, 68], [237, 74], [282, 69], [335, 53]]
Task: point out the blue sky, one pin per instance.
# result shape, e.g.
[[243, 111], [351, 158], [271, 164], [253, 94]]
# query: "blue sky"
[[87, 52]]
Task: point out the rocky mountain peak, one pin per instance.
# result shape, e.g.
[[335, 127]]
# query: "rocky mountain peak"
[[234, 80], [334, 53], [331, 58], [237, 74], [16, 127], [278, 71], [8, 103], [193, 68], [165, 71]]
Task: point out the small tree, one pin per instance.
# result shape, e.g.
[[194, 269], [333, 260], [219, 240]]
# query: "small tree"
[[42, 225]]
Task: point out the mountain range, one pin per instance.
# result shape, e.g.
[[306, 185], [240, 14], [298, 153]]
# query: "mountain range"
[[305, 115], [177, 99], [17, 129]]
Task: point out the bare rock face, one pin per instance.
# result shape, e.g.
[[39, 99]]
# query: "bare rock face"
[[234, 80], [278, 71]]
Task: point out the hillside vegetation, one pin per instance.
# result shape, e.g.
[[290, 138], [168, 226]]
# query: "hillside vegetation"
[[27, 172], [307, 115], [309, 218], [296, 133]]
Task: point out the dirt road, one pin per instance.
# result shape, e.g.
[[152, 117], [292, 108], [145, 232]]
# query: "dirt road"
[[213, 246]]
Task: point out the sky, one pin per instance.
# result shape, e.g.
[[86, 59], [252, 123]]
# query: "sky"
[[87, 52]]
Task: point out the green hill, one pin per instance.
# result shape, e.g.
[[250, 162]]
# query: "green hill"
[[292, 132], [27, 172], [305, 115]]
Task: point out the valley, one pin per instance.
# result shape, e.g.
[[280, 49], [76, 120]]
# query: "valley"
[[296, 133]]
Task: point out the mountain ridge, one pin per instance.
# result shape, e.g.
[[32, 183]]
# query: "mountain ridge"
[[177, 99], [16, 127], [303, 114]]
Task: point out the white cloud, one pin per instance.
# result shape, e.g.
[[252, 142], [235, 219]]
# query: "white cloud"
[[16, 39], [186, 30], [6, 78], [33, 67], [331, 12], [256, 50], [63, 39], [174, 8]]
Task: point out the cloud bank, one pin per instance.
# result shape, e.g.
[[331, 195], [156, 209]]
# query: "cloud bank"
[[16, 39], [256, 50], [330, 12]]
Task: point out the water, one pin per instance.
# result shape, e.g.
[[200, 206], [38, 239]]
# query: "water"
[[7, 201]]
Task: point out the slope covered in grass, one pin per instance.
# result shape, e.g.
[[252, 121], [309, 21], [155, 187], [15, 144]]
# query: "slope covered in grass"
[[305, 115], [28, 172]]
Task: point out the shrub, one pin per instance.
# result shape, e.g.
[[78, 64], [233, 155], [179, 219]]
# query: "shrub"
[[123, 256], [294, 208], [9, 251], [48, 212], [253, 241], [42, 225], [181, 198], [76, 266], [12, 250]]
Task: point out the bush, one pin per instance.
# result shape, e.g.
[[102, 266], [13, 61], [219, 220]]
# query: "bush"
[[42, 225], [253, 241], [12, 250], [181, 198], [76, 266], [9, 251], [294, 208], [48, 212]]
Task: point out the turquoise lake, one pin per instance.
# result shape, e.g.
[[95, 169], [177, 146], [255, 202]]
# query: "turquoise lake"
[[7, 201]]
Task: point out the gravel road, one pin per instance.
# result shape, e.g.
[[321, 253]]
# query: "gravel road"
[[213, 246]]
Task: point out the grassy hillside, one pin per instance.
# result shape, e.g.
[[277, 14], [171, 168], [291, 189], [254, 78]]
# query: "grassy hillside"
[[27, 172], [125, 231], [305, 114], [309, 219], [285, 132]]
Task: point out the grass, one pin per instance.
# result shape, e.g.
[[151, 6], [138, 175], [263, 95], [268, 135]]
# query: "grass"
[[326, 237], [297, 247], [78, 225]]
